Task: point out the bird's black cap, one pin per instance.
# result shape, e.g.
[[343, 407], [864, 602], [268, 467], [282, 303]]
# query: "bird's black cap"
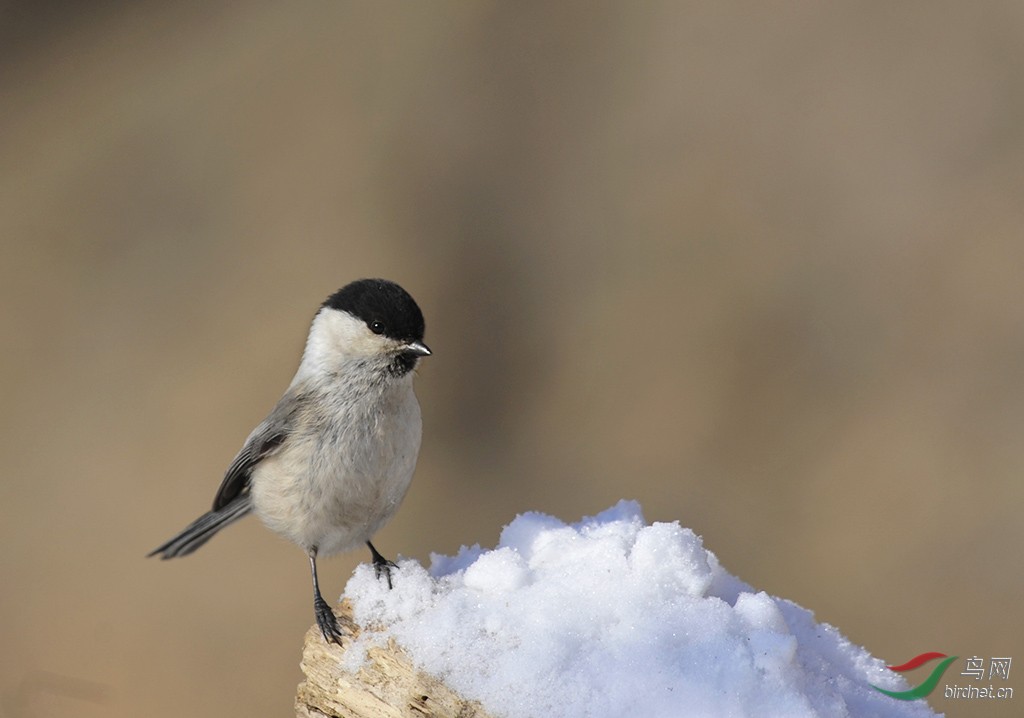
[[385, 307]]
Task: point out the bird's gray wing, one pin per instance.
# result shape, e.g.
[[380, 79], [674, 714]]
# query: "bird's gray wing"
[[264, 441]]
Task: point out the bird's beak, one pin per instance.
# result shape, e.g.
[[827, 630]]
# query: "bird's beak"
[[418, 348]]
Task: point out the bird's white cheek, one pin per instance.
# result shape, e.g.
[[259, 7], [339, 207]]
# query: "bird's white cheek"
[[336, 339]]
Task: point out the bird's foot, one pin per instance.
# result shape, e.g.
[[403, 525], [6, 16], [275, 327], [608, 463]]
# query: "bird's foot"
[[327, 621], [381, 566]]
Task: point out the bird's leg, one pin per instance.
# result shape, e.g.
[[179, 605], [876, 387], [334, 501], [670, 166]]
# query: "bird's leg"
[[380, 564], [325, 617]]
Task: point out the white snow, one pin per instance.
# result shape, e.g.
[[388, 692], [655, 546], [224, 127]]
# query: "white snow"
[[611, 617]]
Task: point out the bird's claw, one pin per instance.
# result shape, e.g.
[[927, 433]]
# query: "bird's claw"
[[383, 568], [327, 621], [381, 565]]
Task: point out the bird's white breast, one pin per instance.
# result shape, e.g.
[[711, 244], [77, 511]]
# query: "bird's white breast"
[[344, 470]]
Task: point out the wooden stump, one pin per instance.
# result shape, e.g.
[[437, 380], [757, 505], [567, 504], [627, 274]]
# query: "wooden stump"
[[385, 686]]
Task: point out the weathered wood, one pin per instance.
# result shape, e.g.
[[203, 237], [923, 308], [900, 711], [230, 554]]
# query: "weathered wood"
[[385, 686]]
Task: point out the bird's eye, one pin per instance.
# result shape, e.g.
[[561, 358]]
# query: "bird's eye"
[[377, 327]]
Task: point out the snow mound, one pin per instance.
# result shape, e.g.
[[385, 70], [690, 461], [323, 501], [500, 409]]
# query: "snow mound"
[[611, 617]]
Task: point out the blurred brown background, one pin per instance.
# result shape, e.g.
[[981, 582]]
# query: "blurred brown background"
[[756, 265]]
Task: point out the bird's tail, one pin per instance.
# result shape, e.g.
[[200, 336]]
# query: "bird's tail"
[[203, 528]]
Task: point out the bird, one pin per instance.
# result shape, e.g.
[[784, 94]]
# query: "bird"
[[333, 460]]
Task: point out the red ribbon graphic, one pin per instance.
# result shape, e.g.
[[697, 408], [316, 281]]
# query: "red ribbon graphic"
[[917, 661]]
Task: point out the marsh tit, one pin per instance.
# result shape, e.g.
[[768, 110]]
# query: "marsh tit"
[[331, 463]]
